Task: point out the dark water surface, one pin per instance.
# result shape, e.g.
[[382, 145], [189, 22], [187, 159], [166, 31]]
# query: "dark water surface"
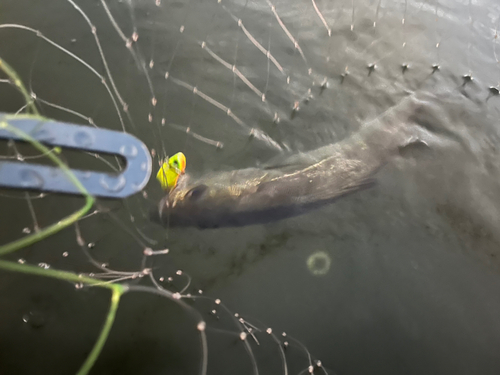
[[407, 276]]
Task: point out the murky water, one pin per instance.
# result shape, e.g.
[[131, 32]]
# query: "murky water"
[[401, 278]]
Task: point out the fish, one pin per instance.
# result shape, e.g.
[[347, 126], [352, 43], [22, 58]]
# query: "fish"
[[374, 78], [302, 182]]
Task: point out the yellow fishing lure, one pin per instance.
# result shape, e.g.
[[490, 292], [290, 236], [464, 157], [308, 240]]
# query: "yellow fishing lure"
[[170, 171]]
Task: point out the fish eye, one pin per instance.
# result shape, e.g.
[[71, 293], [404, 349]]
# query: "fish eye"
[[196, 192], [176, 162]]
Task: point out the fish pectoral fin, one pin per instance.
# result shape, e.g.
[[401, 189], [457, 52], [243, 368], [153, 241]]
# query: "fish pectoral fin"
[[364, 184], [360, 185]]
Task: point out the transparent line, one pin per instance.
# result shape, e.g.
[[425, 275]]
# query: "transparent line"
[[232, 68], [322, 18], [71, 54], [287, 32], [254, 41], [77, 114], [104, 61]]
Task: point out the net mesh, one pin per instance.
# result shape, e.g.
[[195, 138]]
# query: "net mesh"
[[225, 82]]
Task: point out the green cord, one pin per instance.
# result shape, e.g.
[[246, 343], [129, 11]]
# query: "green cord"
[[116, 289], [11, 73], [67, 221]]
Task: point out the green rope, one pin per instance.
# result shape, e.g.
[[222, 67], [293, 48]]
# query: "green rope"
[[16, 81], [54, 228], [116, 289]]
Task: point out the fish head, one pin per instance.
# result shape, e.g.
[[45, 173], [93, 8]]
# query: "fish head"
[[223, 199]]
